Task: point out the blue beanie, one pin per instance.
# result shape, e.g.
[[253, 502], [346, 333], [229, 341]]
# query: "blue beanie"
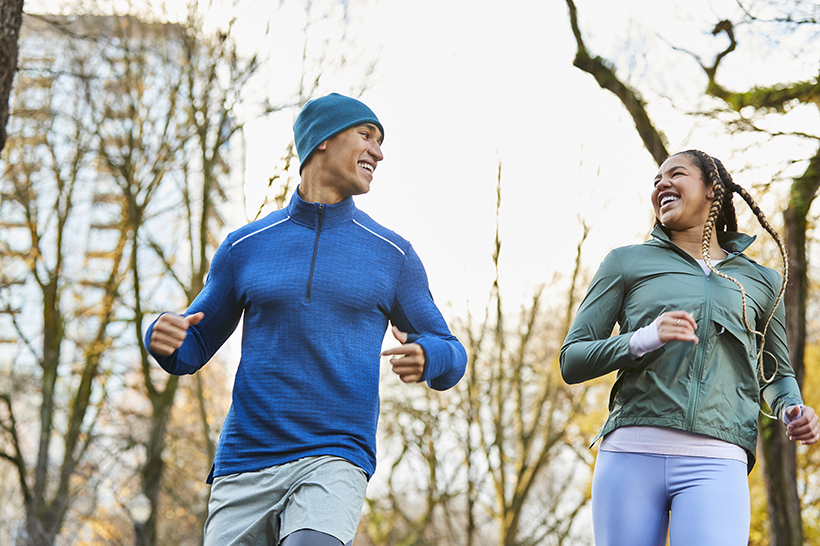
[[326, 116]]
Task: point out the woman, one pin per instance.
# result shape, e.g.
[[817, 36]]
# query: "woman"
[[694, 317]]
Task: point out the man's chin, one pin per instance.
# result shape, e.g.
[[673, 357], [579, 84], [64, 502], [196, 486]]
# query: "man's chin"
[[363, 188]]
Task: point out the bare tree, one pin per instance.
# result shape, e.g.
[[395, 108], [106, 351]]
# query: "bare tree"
[[64, 347], [524, 415], [130, 84], [141, 130], [504, 452]]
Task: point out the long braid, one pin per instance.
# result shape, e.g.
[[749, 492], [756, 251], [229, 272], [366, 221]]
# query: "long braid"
[[764, 222], [722, 211], [727, 213]]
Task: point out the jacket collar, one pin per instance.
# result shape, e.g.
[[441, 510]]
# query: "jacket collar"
[[307, 214], [730, 241]]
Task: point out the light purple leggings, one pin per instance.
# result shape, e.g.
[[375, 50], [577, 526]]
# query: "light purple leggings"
[[633, 495]]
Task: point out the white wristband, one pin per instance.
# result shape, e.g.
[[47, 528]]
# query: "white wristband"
[[644, 340]]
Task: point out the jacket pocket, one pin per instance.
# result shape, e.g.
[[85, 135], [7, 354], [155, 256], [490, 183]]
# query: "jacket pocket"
[[737, 332]]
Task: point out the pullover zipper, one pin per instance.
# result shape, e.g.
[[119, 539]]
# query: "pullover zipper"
[[315, 249], [707, 318]]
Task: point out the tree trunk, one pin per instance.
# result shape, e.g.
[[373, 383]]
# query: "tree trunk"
[[152, 471], [11, 17], [41, 531], [779, 469], [780, 473]]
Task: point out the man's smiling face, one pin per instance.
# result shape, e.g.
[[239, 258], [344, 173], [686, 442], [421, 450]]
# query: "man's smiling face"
[[350, 158]]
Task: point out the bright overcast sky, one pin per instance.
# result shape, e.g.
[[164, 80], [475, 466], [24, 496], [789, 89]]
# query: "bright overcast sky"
[[464, 83]]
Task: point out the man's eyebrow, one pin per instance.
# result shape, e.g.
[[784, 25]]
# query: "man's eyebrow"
[[374, 129]]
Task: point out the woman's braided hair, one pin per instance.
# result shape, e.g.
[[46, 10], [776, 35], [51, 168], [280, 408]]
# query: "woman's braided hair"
[[722, 217]]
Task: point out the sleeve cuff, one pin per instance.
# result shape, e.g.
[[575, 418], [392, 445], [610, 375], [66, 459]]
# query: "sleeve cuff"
[[644, 340]]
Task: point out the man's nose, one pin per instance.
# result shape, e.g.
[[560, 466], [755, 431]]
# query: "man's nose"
[[376, 151]]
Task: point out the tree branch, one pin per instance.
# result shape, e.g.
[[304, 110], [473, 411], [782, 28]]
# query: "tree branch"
[[604, 74], [17, 459]]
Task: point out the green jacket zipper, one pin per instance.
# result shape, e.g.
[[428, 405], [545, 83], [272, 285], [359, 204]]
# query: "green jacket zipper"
[[315, 250], [707, 317]]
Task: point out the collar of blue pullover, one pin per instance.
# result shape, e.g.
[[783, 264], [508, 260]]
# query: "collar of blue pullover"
[[310, 214]]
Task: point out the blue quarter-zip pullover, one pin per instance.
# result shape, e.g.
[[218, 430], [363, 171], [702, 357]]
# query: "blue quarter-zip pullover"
[[317, 285]]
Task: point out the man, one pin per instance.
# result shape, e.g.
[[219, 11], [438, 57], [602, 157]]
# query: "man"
[[317, 283]]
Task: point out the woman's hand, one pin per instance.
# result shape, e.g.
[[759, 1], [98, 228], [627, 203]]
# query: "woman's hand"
[[677, 326], [805, 428]]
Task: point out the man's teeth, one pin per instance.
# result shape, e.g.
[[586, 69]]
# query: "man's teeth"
[[367, 166], [669, 199]]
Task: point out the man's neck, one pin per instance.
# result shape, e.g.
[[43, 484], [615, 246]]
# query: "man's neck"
[[312, 190]]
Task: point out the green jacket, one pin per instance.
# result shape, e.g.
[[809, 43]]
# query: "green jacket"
[[711, 387]]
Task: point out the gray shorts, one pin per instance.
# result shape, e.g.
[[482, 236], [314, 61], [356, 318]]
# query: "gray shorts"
[[261, 508]]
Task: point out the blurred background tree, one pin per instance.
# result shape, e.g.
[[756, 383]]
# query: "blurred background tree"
[[503, 454]]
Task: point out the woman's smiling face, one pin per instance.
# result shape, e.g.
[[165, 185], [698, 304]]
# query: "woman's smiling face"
[[681, 198]]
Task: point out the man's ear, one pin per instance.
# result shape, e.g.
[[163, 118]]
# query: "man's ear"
[[322, 146]]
